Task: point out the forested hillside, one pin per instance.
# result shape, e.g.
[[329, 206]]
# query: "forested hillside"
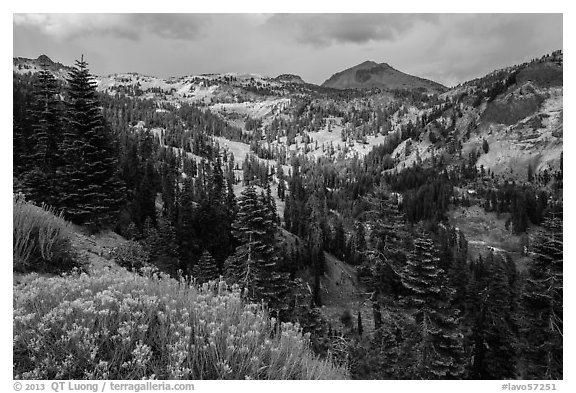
[[410, 234]]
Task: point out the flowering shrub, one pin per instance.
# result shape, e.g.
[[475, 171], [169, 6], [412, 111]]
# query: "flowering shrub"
[[127, 326], [41, 239]]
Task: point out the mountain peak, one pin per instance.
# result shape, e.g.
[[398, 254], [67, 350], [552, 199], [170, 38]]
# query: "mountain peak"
[[43, 59], [368, 63], [291, 78], [369, 74]]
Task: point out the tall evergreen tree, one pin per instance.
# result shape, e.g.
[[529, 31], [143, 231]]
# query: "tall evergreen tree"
[[186, 233], [40, 182], [254, 263], [161, 244], [358, 243], [543, 304], [146, 193], [206, 269], [440, 348], [315, 243], [338, 246], [360, 327], [46, 115], [494, 343], [92, 193]]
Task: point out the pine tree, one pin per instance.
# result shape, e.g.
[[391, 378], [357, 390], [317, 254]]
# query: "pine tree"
[[40, 181], [359, 243], [281, 182], [338, 239], [543, 304], [390, 354], [270, 201], [440, 349], [217, 185], [494, 349], [386, 251], [19, 148], [92, 191], [215, 214], [254, 263], [206, 269], [46, 115], [315, 242], [186, 233], [23, 94], [146, 193], [161, 245], [485, 146]]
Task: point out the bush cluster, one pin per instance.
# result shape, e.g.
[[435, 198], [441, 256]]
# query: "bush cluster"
[[131, 255], [119, 325], [41, 239]]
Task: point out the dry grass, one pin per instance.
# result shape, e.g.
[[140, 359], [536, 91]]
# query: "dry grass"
[[41, 237], [124, 326]]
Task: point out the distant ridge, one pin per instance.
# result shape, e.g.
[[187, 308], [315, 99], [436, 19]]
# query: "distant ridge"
[[23, 65], [290, 78]]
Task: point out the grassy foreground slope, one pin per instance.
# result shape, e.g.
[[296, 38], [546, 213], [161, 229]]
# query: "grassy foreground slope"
[[125, 326]]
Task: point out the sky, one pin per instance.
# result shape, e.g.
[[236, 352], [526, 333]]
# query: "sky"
[[446, 48]]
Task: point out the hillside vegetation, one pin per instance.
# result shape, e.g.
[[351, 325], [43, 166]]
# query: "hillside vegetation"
[[110, 325], [42, 239], [411, 234]]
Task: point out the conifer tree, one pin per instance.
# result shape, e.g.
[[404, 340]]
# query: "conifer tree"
[[161, 245], [339, 239], [92, 193], [18, 149], [494, 354], [281, 182], [254, 263], [315, 243], [40, 182], [485, 146], [215, 214], [440, 348], [543, 304], [186, 233], [359, 243], [206, 269], [46, 115]]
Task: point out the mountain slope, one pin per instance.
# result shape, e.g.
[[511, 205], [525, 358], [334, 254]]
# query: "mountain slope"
[[22, 65], [373, 75], [518, 111]]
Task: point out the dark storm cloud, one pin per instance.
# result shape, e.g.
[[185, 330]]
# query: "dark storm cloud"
[[126, 26], [172, 26], [327, 29], [447, 48]]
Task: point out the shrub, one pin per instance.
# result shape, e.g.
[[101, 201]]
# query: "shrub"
[[125, 326], [131, 255], [41, 238], [346, 319]]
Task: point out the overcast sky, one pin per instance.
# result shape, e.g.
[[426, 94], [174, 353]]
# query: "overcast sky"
[[447, 48]]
